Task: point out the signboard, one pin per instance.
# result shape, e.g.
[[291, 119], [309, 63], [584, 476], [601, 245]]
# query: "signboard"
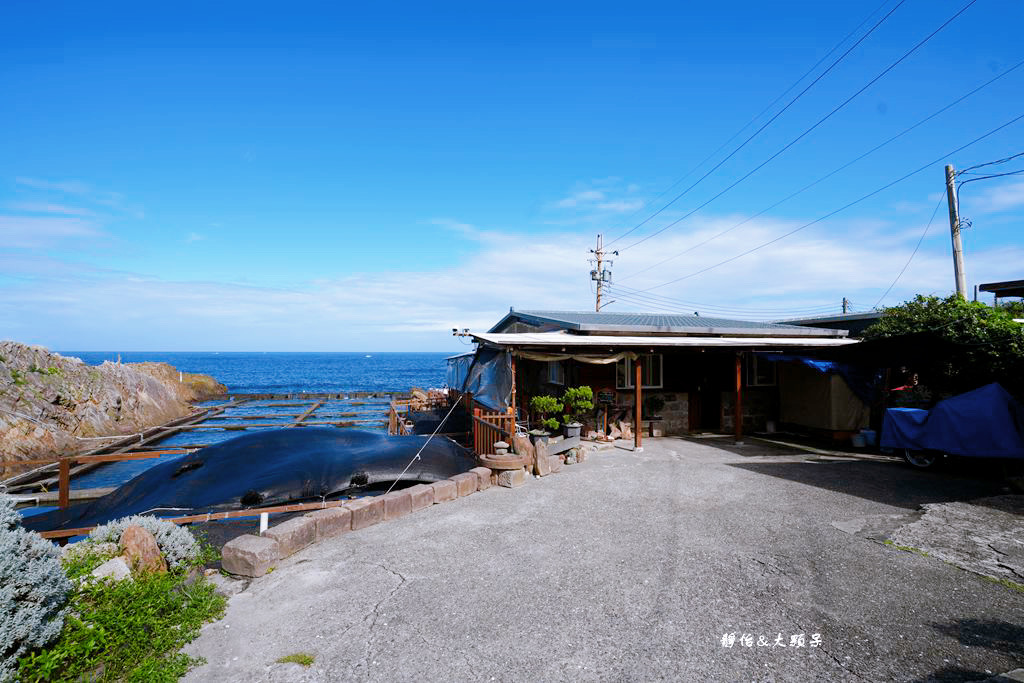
[[606, 397]]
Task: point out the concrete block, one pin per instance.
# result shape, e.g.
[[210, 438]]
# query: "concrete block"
[[444, 490], [465, 483], [397, 504], [293, 535], [483, 476], [331, 521], [512, 478], [422, 496], [249, 555], [366, 511]]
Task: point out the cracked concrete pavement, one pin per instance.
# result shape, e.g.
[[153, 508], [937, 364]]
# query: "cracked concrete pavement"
[[634, 566]]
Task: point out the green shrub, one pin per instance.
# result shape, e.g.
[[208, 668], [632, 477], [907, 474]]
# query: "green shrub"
[[579, 403], [128, 630], [34, 590], [545, 406]]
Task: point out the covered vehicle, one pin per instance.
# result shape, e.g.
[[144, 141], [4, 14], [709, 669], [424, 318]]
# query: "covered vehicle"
[[987, 422]]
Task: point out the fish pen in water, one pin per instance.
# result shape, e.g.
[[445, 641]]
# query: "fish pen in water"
[[86, 476]]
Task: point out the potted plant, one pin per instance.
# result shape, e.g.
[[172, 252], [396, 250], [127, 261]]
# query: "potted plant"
[[579, 403], [544, 406]]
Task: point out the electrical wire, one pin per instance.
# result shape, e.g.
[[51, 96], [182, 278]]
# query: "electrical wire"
[[765, 125], [751, 121], [833, 172], [761, 314], [842, 208], [808, 131], [912, 255], [734, 309], [991, 163]]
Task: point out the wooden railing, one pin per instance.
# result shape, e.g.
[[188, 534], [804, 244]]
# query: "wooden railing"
[[399, 409], [490, 427], [64, 466]]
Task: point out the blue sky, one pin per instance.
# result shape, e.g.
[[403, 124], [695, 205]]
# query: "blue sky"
[[245, 176]]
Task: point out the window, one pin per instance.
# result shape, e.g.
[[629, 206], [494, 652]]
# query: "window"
[[760, 372], [556, 372], [625, 372]]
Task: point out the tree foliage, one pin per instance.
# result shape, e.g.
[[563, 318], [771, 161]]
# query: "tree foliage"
[[976, 344]]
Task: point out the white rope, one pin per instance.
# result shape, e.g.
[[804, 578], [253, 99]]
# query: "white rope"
[[417, 456]]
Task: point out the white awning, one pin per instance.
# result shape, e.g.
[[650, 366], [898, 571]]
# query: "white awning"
[[564, 339]]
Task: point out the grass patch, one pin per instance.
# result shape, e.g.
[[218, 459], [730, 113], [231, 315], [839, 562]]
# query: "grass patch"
[[1006, 583], [303, 658], [128, 630], [906, 548]]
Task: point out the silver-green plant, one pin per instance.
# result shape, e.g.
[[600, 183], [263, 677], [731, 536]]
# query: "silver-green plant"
[[34, 590], [177, 545]]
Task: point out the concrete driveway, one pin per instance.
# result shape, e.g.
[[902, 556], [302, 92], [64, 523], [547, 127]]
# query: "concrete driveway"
[[636, 567]]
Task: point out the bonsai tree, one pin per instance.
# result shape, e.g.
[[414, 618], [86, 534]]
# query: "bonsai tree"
[[579, 403], [545, 406]]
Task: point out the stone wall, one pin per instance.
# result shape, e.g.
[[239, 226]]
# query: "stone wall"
[[47, 400]]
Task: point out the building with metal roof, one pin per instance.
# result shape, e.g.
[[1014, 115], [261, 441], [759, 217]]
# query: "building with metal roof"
[[668, 373], [589, 322]]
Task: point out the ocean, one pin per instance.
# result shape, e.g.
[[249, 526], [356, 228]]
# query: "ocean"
[[281, 372]]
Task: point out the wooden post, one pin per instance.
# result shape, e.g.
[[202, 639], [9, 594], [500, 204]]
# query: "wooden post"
[[638, 439], [513, 401], [64, 483], [738, 408]]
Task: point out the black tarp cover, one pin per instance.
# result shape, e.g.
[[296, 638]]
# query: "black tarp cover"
[[490, 378], [268, 468]]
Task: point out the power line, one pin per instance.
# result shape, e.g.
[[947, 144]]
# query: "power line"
[[761, 314], [984, 177], [842, 208], [991, 163], [808, 131], [765, 125], [838, 169], [619, 289], [750, 122], [913, 254]]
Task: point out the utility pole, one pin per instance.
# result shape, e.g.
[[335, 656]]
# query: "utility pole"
[[600, 274], [846, 305], [954, 229]]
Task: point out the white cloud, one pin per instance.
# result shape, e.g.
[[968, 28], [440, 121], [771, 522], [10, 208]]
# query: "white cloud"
[[1005, 197], [66, 186], [32, 232], [194, 237], [45, 207], [581, 197], [621, 205]]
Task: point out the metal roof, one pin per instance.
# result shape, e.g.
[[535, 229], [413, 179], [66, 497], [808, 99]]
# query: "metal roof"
[[1010, 288], [657, 323], [562, 338]]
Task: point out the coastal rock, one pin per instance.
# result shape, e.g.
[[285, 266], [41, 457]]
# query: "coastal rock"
[[55, 404], [140, 551]]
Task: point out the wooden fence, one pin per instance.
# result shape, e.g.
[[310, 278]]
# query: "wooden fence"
[[490, 427]]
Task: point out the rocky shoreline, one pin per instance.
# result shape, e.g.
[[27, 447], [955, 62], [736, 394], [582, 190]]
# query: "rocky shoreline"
[[52, 404]]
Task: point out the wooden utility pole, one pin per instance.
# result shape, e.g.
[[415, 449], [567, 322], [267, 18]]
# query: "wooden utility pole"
[[600, 274], [954, 229]]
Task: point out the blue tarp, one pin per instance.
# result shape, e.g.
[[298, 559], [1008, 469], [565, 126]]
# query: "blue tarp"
[[986, 422], [862, 382]]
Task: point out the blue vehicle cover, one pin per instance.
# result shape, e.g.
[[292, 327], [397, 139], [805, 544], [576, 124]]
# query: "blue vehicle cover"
[[986, 422]]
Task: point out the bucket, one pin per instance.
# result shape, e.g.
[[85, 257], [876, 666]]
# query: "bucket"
[[870, 436], [858, 440]]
